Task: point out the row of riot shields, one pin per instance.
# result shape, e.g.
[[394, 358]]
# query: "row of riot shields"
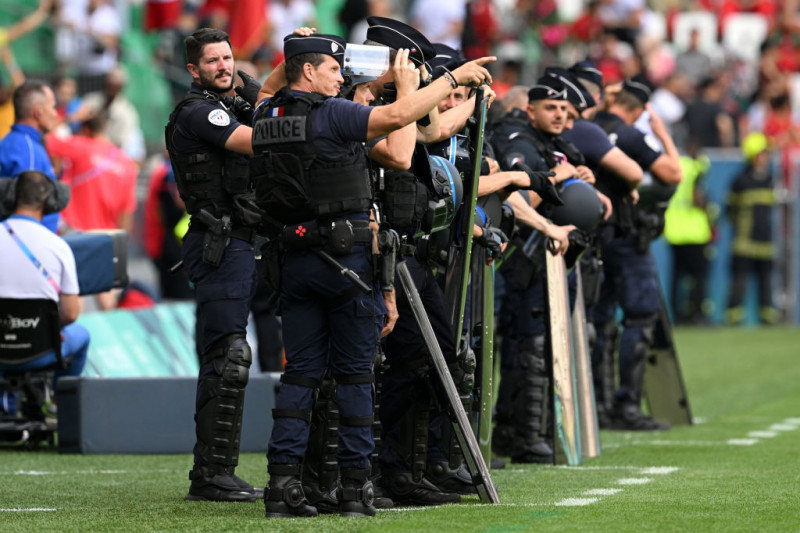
[[574, 421]]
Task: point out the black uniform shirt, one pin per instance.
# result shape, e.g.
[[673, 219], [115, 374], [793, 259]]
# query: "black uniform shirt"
[[631, 141], [591, 141], [202, 123]]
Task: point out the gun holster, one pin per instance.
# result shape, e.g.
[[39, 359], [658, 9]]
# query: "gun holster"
[[216, 238]]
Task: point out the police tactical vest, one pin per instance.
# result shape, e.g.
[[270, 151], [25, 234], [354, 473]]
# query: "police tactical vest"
[[294, 181], [615, 188], [211, 177]]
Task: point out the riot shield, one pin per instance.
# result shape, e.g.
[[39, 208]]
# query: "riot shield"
[[664, 389], [455, 410], [458, 260], [482, 316], [567, 443], [587, 410]]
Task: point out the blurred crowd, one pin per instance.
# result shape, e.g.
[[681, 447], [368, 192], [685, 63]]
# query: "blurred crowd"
[[723, 69]]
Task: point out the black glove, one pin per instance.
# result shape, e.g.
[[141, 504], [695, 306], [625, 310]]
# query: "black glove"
[[248, 91], [492, 239], [540, 184], [485, 167], [243, 110], [389, 92]]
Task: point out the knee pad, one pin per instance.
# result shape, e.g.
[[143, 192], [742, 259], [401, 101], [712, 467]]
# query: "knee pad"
[[231, 359]]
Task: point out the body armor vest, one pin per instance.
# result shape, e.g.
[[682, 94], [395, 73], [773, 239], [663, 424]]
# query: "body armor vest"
[[294, 181], [211, 177], [623, 216]]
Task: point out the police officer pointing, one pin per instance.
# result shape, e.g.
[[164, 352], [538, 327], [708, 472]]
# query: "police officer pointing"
[[311, 175], [207, 146]]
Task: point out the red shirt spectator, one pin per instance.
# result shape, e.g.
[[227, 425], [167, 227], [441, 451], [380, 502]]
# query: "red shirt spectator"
[[101, 177]]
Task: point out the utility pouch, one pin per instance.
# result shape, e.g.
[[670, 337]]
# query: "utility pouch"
[[341, 237], [269, 266], [388, 242], [301, 236], [216, 238]]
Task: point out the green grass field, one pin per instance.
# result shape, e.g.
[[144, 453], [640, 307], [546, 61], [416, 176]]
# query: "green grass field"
[[737, 469]]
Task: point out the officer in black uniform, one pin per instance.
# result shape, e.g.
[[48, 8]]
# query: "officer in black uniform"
[[208, 146], [410, 451], [630, 276], [312, 177], [522, 407]]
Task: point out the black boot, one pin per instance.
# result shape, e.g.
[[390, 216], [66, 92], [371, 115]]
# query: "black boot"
[[403, 490], [449, 479], [325, 501], [244, 485], [356, 495], [211, 486], [284, 496], [627, 416]]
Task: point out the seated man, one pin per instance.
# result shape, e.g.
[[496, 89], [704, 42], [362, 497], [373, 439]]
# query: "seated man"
[[37, 264]]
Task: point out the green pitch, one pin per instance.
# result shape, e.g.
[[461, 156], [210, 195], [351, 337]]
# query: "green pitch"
[[737, 469]]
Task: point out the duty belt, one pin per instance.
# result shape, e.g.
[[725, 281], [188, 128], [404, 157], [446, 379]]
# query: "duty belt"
[[238, 232], [315, 233]]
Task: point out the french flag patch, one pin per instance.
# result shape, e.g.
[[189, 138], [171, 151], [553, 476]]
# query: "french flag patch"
[[275, 112]]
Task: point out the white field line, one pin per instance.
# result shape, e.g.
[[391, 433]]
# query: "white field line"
[[587, 468], [576, 502], [664, 443], [793, 421], [699, 420], [601, 492], [762, 434], [30, 510], [633, 481], [782, 427], [89, 472], [659, 470], [742, 442]]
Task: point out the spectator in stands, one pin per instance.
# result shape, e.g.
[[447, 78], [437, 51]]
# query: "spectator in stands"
[[27, 24], [286, 15], [669, 102], [37, 264], [7, 90], [67, 101], [441, 21], [102, 179], [123, 119], [98, 46], [749, 207], [706, 119], [623, 17], [22, 149], [693, 62]]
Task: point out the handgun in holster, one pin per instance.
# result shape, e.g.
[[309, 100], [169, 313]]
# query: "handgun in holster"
[[217, 236]]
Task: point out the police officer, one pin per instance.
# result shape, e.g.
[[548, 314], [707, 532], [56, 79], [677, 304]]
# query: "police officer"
[[208, 146], [522, 407], [311, 176], [630, 273]]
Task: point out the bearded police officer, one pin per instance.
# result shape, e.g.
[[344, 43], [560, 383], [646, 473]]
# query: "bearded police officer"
[[312, 177], [208, 146]]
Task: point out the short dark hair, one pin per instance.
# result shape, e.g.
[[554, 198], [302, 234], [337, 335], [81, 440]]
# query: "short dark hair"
[[33, 188], [195, 42], [294, 65], [97, 122], [25, 97], [628, 101]]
